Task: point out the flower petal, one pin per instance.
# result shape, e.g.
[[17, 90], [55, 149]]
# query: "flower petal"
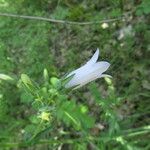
[[95, 72], [88, 73], [94, 58], [102, 66], [87, 66]]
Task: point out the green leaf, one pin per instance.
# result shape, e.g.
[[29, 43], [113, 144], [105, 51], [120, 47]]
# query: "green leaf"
[[26, 80], [26, 97], [28, 84], [46, 76], [74, 115], [5, 77], [73, 119], [55, 82], [143, 8]]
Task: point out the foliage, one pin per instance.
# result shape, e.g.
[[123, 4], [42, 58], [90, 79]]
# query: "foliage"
[[36, 112]]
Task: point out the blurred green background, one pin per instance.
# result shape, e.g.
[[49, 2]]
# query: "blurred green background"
[[28, 46]]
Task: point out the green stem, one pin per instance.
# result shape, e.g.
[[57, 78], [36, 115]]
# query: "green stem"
[[128, 134]]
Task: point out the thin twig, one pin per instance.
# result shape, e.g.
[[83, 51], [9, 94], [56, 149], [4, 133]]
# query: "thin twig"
[[61, 21]]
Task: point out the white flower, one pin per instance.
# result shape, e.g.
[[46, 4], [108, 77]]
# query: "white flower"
[[88, 72], [105, 25]]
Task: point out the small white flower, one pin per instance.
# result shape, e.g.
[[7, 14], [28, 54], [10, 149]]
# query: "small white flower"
[[88, 72], [105, 25]]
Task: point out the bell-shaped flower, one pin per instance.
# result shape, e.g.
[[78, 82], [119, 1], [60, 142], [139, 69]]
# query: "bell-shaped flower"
[[91, 71]]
